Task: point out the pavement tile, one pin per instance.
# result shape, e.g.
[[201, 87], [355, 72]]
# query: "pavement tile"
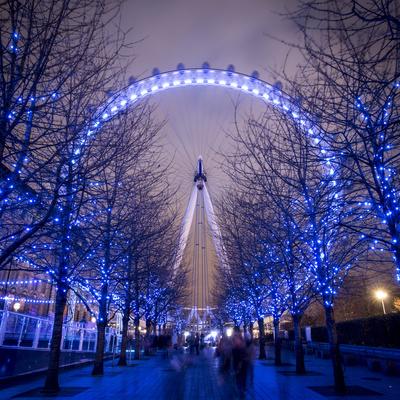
[[185, 377]]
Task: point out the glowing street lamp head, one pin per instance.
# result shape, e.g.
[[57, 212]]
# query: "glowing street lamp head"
[[17, 306], [381, 294], [229, 331]]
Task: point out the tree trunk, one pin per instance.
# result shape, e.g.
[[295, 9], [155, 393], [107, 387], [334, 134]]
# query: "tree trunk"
[[339, 383], [124, 339], [98, 367], [137, 339], [51, 384], [262, 355], [277, 343], [148, 332], [251, 330], [298, 345]]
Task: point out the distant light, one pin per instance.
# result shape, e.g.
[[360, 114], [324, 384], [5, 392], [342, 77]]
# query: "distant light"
[[93, 319], [186, 334], [381, 294], [17, 306], [229, 332]]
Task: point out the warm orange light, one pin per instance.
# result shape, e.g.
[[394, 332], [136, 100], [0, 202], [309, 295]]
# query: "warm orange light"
[[381, 294]]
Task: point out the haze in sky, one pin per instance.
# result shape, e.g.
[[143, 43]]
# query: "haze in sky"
[[198, 119], [220, 32]]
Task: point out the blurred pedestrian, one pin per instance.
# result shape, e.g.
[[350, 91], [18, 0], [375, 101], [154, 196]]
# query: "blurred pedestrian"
[[239, 357], [249, 358], [191, 343], [197, 343], [225, 354]]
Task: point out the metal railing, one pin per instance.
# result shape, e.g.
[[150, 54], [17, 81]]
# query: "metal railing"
[[27, 331]]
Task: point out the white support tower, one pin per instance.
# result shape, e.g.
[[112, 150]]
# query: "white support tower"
[[200, 212]]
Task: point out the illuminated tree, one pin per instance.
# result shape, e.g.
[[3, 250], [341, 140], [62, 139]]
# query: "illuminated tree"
[[246, 277], [126, 142], [149, 285], [351, 85], [43, 44], [57, 65], [278, 147]]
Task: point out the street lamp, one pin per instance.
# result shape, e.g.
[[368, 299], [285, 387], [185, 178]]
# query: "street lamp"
[[17, 306], [214, 334], [381, 295]]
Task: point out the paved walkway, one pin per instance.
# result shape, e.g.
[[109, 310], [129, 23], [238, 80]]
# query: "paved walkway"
[[156, 378]]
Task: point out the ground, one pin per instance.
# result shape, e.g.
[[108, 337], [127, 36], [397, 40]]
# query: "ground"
[[159, 378]]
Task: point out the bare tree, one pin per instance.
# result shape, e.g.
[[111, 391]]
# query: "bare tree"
[[43, 45], [279, 148], [128, 141], [68, 153], [149, 285], [350, 85], [246, 278]]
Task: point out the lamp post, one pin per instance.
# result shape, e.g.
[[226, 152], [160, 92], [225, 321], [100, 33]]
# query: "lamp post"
[[381, 295]]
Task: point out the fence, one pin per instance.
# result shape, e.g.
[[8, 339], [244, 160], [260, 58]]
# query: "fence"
[[26, 331]]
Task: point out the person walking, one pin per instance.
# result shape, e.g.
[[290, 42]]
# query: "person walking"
[[249, 358], [197, 343], [239, 362], [225, 358]]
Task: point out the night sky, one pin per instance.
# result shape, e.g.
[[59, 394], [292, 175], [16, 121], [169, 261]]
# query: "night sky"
[[221, 32]]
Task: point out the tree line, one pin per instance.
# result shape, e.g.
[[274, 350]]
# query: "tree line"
[[84, 200], [315, 185]]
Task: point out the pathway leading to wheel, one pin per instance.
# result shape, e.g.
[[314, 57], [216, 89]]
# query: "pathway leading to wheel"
[[191, 377]]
